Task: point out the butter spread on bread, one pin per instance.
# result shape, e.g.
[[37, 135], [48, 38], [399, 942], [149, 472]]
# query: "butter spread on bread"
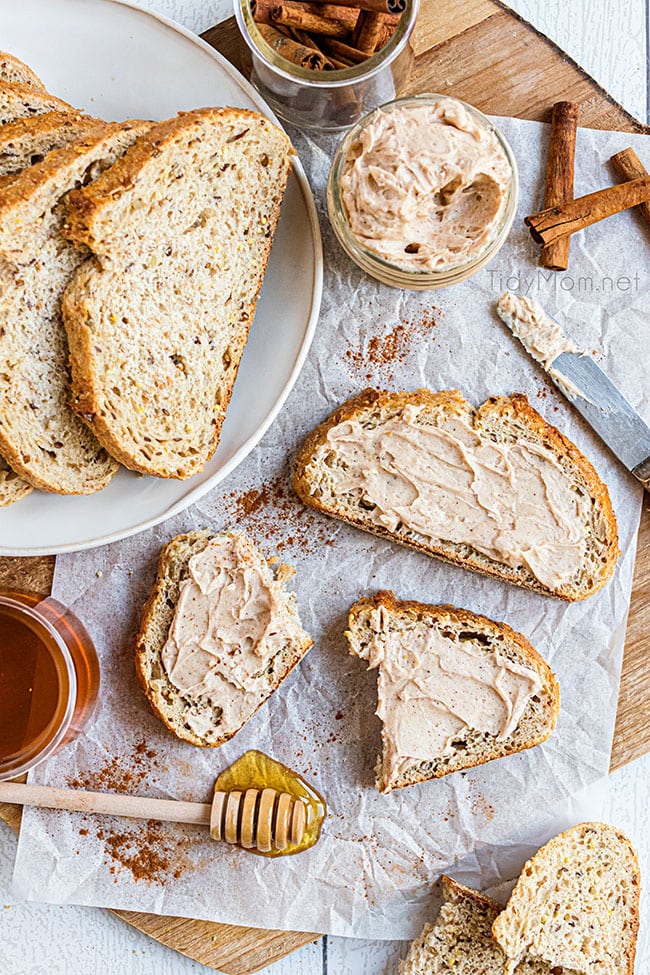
[[219, 634], [231, 619], [454, 689], [494, 489], [430, 688]]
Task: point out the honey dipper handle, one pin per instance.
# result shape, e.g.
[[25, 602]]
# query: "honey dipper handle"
[[106, 803]]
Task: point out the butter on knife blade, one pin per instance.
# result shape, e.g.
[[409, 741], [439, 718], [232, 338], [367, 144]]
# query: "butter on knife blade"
[[582, 382]]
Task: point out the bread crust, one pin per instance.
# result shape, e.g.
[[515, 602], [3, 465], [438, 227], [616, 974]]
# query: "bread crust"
[[44, 102], [86, 207], [516, 406], [568, 835], [32, 190], [149, 613], [436, 614], [13, 69]]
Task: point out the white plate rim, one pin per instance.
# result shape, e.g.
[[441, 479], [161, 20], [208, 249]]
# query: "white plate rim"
[[317, 292]]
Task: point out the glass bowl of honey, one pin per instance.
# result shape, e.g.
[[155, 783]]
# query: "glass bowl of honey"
[[49, 680]]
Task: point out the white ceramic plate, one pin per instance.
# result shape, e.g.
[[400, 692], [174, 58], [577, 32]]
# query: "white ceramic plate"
[[118, 61]]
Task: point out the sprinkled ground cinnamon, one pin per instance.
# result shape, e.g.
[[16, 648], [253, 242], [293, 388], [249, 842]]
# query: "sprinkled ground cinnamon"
[[392, 348], [274, 514], [122, 773], [148, 853]]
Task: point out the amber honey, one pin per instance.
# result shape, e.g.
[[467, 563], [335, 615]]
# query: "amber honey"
[[255, 770], [49, 679]]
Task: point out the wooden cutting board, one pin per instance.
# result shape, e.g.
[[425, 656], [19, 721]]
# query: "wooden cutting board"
[[484, 53]]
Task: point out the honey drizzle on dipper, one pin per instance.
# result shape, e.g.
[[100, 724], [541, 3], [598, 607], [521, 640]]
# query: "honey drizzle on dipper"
[[273, 811]]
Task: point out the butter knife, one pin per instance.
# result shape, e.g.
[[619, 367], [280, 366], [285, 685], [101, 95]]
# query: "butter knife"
[[583, 383]]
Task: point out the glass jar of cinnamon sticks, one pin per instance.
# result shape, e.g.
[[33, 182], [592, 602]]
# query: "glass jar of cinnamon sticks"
[[324, 65]]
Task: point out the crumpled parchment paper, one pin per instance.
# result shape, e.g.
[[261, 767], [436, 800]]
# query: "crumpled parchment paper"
[[372, 873]]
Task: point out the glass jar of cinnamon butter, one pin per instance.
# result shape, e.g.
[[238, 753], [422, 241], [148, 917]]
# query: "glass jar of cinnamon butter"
[[422, 192], [49, 680], [331, 100]]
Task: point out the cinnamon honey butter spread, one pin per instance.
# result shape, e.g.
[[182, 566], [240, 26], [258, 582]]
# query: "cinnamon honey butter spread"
[[432, 688], [232, 617], [425, 186], [542, 338], [439, 477]]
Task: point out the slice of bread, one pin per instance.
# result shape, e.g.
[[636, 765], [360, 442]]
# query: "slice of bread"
[[28, 140], [40, 437], [576, 904], [460, 941], [559, 539], [24, 143], [210, 719], [12, 486], [18, 100], [12, 69], [181, 228], [461, 720]]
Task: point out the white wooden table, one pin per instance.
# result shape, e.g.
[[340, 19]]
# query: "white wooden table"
[[609, 38]]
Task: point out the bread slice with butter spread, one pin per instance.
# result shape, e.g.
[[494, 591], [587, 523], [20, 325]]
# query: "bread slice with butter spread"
[[218, 636], [454, 689], [181, 229], [495, 489]]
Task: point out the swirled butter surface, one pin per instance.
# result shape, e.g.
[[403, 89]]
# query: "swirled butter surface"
[[441, 478], [542, 338], [424, 186], [232, 617], [431, 688]]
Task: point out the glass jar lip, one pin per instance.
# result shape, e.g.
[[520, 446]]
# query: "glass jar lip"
[[393, 274], [345, 76], [11, 771]]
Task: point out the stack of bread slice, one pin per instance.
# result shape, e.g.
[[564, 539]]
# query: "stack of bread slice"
[[126, 291], [573, 911]]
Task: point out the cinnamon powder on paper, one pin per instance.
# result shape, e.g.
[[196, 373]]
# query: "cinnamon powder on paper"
[[150, 851], [274, 514], [394, 347]]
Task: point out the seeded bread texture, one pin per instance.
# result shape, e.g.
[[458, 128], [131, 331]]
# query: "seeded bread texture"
[[460, 940], [471, 747], [576, 904], [504, 419], [40, 437], [19, 100], [181, 230], [14, 70], [167, 702], [28, 140], [24, 143]]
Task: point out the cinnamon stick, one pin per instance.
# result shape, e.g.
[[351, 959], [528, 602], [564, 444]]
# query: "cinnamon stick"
[[628, 166], [559, 177], [369, 30], [374, 6], [567, 218], [285, 47], [262, 11], [301, 16], [345, 52]]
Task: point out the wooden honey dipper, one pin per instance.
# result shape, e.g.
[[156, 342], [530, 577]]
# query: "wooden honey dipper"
[[261, 820]]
